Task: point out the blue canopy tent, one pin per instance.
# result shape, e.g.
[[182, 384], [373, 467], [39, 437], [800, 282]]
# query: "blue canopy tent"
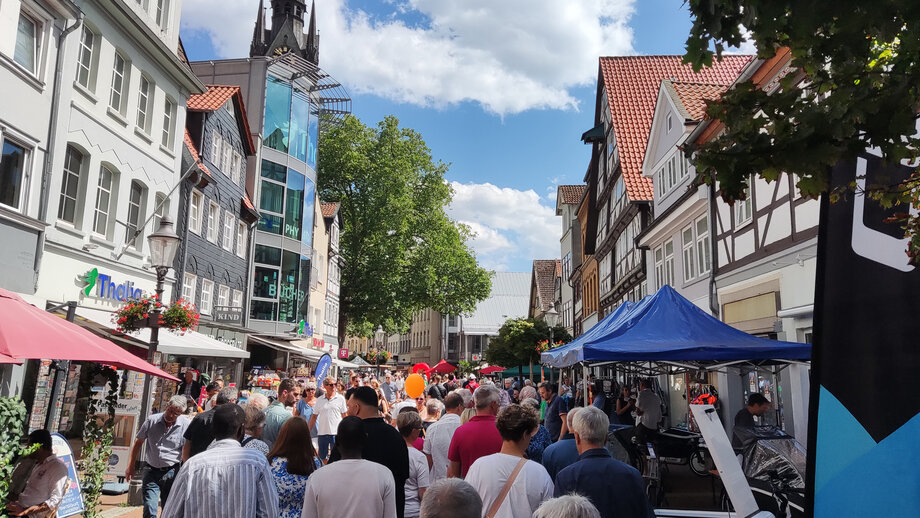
[[667, 328]]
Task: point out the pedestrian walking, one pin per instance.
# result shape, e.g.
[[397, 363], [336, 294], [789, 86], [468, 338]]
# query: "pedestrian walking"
[[163, 435], [352, 486], [409, 425], [279, 411], [541, 439], [451, 498], [328, 412], [478, 437], [201, 489], [292, 460], [616, 489], [253, 426], [510, 485], [199, 435], [562, 453], [439, 435], [389, 389], [433, 409], [555, 410]]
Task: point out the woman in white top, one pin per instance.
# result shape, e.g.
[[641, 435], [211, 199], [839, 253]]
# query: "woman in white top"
[[409, 424], [489, 475]]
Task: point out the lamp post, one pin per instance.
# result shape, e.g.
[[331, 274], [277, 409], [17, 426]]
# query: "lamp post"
[[551, 317], [163, 245], [380, 335]]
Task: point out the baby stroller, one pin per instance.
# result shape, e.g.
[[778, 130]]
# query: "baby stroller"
[[774, 465]]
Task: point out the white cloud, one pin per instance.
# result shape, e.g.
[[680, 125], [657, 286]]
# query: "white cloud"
[[513, 228], [508, 56]]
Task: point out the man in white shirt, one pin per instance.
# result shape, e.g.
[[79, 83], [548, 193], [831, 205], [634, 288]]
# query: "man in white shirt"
[[648, 408], [438, 436], [201, 489], [46, 485], [328, 412], [352, 486]]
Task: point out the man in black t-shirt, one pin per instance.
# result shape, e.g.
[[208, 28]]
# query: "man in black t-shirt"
[[198, 435], [757, 405], [384, 443], [556, 409]]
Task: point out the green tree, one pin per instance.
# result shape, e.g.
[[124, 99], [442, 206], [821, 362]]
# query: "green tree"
[[855, 86], [516, 343], [402, 253]]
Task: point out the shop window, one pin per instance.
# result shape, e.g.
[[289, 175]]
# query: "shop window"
[[265, 283], [70, 186], [267, 255], [13, 175], [263, 310]]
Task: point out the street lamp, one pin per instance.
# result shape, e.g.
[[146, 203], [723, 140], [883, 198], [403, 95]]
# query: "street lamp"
[[163, 245], [551, 317], [380, 335]]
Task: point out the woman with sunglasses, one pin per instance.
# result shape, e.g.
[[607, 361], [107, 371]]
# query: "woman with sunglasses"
[[304, 407]]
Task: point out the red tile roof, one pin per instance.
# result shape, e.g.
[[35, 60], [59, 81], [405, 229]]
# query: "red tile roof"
[[693, 96], [214, 98], [545, 272], [571, 194], [329, 208], [632, 84], [194, 152]]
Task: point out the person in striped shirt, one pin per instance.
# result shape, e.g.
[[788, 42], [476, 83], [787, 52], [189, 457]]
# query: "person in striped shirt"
[[251, 494]]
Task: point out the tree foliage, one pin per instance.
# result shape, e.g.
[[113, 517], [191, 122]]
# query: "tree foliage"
[[517, 340], [402, 253], [856, 84]]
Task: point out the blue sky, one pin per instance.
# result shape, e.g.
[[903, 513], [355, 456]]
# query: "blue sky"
[[500, 90]]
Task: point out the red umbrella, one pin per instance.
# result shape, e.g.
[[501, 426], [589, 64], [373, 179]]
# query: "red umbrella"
[[492, 369], [420, 367], [6, 359], [27, 332], [443, 367]]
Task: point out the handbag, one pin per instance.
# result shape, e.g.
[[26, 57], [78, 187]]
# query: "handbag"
[[501, 496]]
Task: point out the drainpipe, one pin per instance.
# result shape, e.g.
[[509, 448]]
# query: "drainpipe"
[[49, 152], [714, 250]]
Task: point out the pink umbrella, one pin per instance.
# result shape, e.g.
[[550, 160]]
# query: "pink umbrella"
[[492, 369], [28, 332], [6, 359], [443, 367]]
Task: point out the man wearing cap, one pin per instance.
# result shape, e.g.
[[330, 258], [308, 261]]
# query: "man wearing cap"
[[471, 383]]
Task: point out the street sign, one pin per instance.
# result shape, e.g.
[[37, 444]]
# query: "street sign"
[[228, 314], [343, 354]]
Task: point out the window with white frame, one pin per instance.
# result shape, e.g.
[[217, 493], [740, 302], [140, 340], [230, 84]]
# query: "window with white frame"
[[605, 274], [70, 186], [213, 221], [670, 122], [160, 209], [229, 230], [626, 256], [121, 71], [672, 172], [169, 123], [659, 267], [189, 286], [85, 58], [223, 296], [226, 161], [237, 299], [688, 246], [105, 201], [613, 152], [744, 210], [620, 199], [669, 263], [144, 103], [602, 223], [194, 213], [13, 175], [242, 238], [207, 296], [236, 168], [703, 246], [216, 144], [28, 43], [162, 13], [134, 232]]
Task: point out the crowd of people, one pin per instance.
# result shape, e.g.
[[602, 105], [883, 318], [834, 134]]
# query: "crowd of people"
[[464, 448]]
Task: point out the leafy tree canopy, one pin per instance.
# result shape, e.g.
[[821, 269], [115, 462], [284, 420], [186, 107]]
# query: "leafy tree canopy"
[[516, 343], [856, 85], [402, 253]]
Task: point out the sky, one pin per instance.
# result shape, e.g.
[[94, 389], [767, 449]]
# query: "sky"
[[500, 90]]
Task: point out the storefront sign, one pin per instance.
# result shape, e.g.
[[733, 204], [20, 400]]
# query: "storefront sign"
[[343, 353], [228, 314], [72, 503], [108, 288]]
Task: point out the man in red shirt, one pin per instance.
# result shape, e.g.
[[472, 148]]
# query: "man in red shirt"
[[477, 438]]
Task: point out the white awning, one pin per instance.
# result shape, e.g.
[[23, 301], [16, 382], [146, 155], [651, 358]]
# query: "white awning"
[[191, 343], [291, 347], [344, 364]]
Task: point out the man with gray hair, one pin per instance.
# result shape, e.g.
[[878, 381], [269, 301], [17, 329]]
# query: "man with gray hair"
[[198, 435], [164, 435], [451, 498], [477, 438], [562, 453], [615, 488], [568, 506]]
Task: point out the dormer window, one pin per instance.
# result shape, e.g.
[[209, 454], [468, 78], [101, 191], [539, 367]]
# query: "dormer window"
[[670, 122]]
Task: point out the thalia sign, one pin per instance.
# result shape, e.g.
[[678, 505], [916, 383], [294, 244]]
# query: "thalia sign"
[[108, 289]]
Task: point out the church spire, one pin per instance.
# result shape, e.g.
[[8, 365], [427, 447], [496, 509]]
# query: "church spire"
[[258, 34], [312, 46]]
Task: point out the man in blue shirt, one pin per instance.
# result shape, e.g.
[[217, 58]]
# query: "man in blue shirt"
[[555, 410], [615, 488], [562, 453]]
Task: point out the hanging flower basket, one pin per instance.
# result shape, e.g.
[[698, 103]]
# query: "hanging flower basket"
[[374, 356], [178, 317], [544, 345]]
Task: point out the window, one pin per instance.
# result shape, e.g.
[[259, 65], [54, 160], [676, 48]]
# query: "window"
[[104, 201], [703, 246], [743, 210], [213, 221], [216, 143], [194, 217], [160, 209], [229, 224], [659, 267], [169, 123], [120, 77], [144, 102], [12, 175], [237, 299], [605, 274], [277, 114], [226, 161], [70, 185], [85, 58], [163, 14], [207, 296], [670, 122], [688, 244], [223, 296], [189, 286], [602, 223], [242, 239], [236, 168], [134, 232], [672, 172], [28, 43], [669, 263]]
